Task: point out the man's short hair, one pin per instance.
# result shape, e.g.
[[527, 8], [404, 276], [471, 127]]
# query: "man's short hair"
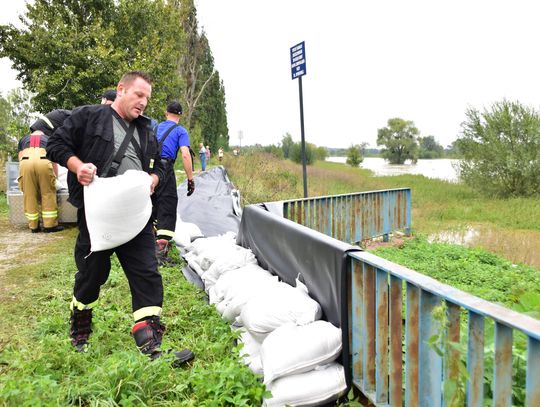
[[109, 95], [174, 107], [131, 76]]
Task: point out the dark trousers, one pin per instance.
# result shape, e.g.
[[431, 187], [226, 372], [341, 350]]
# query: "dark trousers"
[[137, 257], [165, 206]]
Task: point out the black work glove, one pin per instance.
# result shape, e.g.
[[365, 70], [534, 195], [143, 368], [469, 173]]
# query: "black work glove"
[[190, 187]]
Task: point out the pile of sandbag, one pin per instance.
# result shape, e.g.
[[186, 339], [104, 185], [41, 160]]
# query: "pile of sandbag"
[[283, 337]]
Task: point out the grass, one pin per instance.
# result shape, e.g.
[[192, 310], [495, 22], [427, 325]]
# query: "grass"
[[39, 367]]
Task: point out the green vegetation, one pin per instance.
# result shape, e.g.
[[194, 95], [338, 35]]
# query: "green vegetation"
[[487, 276], [430, 148], [354, 155], [39, 367], [473, 270], [501, 150], [68, 53], [399, 139]]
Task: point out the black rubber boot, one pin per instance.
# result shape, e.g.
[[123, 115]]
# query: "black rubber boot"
[[148, 335], [57, 228], [80, 328]]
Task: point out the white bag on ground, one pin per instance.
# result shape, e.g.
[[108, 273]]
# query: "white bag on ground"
[[323, 384], [193, 262], [236, 302], [185, 233], [235, 281], [278, 305], [250, 352], [117, 208], [233, 259], [199, 245], [292, 349]]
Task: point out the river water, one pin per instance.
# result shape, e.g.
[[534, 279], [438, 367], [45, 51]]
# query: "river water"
[[518, 246], [441, 168]]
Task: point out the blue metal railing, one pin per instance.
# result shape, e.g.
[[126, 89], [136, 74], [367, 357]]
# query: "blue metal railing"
[[382, 356], [354, 217]]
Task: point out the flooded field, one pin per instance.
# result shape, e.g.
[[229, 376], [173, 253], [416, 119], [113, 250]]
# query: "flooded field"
[[518, 246], [441, 168]]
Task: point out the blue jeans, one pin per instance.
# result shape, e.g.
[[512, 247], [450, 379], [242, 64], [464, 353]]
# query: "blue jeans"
[[202, 156]]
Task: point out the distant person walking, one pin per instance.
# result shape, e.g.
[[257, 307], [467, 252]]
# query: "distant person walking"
[[171, 138], [202, 156], [220, 154], [207, 155]]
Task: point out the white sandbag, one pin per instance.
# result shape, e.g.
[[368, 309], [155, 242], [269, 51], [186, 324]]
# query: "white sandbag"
[[292, 349], [181, 234], [250, 352], [236, 280], [278, 305], [193, 230], [324, 384], [199, 245], [233, 259], [224, 255], [255, 365], [236, 302], [117, 208], [193, 262]]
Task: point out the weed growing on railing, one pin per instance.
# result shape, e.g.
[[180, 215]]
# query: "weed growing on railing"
[[455, 380], [488, 276]]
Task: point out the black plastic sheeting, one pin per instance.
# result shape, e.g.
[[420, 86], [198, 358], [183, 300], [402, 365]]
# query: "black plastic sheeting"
[[288, 249], [214, 206]]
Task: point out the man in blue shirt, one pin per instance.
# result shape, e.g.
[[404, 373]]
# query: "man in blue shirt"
[[171, 137]]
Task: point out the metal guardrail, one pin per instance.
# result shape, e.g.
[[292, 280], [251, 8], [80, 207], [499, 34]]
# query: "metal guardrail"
[[378, 346], [354, 217]]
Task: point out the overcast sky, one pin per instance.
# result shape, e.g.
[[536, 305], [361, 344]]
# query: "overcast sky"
[[425, 61]]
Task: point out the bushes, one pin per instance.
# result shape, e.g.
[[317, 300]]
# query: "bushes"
[[501, 150]]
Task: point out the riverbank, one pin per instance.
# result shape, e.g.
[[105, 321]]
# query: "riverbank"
[[440, 209]]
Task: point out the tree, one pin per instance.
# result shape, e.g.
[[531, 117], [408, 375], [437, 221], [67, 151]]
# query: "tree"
[[321, 153], [295, 153], [14, 121], [501, 150], [286, 144], [63, 53], [430, 148], [399, 138], [354, 155], [69, 51]]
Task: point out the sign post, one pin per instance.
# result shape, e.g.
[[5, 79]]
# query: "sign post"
[[298, 69]]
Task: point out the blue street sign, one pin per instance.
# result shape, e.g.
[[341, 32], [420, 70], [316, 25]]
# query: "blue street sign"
[[298, 60]]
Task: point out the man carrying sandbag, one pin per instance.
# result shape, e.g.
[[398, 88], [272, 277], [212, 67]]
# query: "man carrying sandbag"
[[108, 140]]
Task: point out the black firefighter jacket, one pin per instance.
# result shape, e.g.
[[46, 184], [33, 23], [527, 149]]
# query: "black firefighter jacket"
[[88, 134]]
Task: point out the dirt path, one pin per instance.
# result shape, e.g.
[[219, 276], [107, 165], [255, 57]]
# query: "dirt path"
[[17, 246]]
